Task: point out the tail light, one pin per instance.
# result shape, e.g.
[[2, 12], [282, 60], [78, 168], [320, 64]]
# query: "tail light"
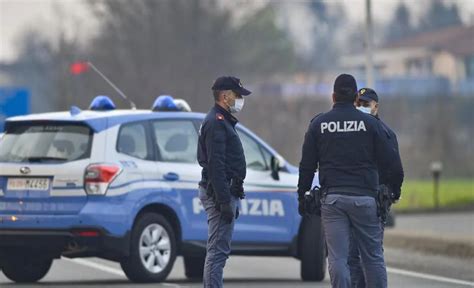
[[98, 177], [86, 233]]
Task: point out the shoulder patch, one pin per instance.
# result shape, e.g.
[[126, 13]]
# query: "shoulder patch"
[[219, 116]]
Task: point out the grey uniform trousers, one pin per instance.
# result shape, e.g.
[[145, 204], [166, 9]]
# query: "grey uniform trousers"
[[355, 264], [218, 241], [341, 216]]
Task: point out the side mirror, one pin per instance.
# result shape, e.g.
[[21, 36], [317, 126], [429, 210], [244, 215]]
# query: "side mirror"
[[275, 167]]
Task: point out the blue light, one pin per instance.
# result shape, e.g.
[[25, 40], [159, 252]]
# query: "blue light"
[[102, 103], [164, 103], [75, 110]]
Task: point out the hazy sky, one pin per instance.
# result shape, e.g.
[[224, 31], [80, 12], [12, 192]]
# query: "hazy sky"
[[18, 15]]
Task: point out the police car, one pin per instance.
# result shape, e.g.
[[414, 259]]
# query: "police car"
[[122, 185]]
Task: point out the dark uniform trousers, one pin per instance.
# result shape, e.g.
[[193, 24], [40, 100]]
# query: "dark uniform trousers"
[[346, 216], [218, 241]]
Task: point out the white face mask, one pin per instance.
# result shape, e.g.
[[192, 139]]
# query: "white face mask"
[[238, 105], [366, 110]]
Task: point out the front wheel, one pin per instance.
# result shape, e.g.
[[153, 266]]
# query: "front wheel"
[[153, 250], [25, 267], [312, 249]]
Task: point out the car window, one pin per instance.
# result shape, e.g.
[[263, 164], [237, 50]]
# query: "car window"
[[176, 140], [52, 142], [132, 140], [254, 153], [267, 156]]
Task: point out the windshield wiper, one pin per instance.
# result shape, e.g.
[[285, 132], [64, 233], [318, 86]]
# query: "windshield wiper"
[[43, 158]]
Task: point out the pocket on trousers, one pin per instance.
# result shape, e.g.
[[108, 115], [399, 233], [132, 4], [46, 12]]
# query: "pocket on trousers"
[[330, 200], [365, 202]]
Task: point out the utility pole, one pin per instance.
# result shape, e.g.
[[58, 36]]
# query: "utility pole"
[[369, 62], [436, 168]]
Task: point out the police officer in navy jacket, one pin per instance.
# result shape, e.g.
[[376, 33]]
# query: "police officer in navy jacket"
[[221, 156], [368, 102], [348, 147]]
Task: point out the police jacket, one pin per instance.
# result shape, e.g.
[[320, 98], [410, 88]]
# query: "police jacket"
[[384, 176], [349, 147], [220, 153]]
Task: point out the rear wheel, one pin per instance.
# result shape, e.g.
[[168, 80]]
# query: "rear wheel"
[[153, 250], [194, 266], [25, 266], [312, 249]]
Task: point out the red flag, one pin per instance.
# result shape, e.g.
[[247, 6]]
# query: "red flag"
[[77, 68]]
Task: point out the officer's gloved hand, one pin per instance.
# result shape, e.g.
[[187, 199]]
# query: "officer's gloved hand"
[[227, 213], [394, 194], [301, 206], [237, 188], [395, 197]]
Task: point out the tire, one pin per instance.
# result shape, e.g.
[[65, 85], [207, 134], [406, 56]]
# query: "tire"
[[154, 233], [26, 267], [312, 250], [194, 267]]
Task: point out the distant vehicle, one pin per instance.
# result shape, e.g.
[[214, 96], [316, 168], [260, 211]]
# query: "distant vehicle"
[[122, 185]]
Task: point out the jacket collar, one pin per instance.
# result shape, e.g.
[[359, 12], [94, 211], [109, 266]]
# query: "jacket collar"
[[228, 116], [343, 105]]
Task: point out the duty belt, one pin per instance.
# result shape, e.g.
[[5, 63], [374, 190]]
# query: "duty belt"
[[350, 191]]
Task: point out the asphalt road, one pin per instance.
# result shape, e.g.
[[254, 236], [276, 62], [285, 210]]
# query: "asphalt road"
[[406, 269]]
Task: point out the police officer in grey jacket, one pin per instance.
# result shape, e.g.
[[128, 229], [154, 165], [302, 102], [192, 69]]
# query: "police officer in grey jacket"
[[349, 147], [368, 102], [221, 156]]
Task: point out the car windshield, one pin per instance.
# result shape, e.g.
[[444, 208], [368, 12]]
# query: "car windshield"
[[45, 143]]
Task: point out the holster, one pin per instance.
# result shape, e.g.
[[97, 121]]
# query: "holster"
[[312, 201], [384, 203]]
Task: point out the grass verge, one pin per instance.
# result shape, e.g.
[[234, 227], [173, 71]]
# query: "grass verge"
[[418, 194]]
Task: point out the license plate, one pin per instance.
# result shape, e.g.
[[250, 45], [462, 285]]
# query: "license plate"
[[40, 184]]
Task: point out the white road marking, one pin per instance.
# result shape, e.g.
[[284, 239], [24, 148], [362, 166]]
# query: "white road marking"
[[108, 269], [429, 277], [391, 270]]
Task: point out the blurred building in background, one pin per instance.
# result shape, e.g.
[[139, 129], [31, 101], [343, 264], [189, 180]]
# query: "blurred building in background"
[[439, 60]]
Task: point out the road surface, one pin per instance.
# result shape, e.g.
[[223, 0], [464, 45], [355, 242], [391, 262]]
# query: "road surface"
[[406, 269]]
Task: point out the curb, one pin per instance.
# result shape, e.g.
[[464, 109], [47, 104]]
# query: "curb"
[[452, 247]]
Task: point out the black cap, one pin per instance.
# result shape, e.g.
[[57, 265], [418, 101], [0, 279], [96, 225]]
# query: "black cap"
[[230, 83], [367, 94], [345, 84]]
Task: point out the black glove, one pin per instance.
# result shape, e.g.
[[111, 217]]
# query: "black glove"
[[237, 188], [394, 195], [301, 206], [227, 213]]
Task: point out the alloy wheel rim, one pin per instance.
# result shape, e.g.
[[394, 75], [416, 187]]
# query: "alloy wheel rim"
[[155, 248]]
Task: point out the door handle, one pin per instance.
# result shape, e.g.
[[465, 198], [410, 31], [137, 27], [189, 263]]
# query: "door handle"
[[171, 176]]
